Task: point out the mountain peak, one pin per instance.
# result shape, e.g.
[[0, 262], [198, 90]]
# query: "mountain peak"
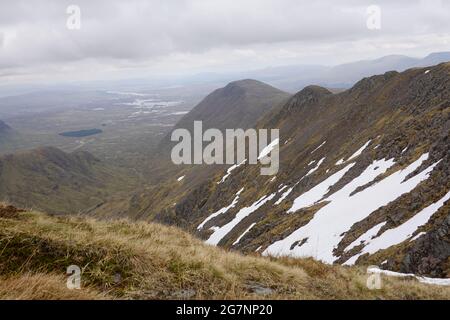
[[313, 91], [250, 86], [307, 96]]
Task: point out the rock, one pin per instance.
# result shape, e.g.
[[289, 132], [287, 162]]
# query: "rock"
[[259, 289]]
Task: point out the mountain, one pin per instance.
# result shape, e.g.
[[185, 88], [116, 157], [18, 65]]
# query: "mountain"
[[237, 105], [74, 181], [125, 260], [364, 178], [433, 59], [295, 77]]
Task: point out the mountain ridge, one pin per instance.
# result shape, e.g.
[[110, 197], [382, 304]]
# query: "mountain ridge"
[[403, 115]]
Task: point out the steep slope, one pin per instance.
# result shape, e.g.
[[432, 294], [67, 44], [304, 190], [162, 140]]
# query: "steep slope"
[[240, 104], [123, 260], [73, 182], [364, 178]]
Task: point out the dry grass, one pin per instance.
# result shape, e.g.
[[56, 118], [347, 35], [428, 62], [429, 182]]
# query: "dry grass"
[[42, 287], [148, 261]]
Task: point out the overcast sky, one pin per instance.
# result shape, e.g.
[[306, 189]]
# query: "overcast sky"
[[137, 38]]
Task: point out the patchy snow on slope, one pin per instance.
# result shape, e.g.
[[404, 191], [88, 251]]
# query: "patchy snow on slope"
[[264, 152], [312, 162], [434, 281], [369, 234], [426, 72], [417, 236], [229, 170], [325, 230], [359, 151], [316, 193], [285, 194], [243, 234], [318, 147], [221, 232], [353, 156], [221, 211], [316, 167], [180, 178], [401, 233]]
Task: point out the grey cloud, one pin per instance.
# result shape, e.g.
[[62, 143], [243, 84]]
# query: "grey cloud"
[[35, 33]]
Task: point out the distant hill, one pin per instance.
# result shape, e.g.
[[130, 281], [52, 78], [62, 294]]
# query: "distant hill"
[[74, 181], [238, 105], [295, 77]]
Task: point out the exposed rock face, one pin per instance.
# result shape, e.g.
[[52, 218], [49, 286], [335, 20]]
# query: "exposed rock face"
[[429, 255]]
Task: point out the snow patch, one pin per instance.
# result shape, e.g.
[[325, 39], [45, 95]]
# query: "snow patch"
[[221, 211], [264, 152], [401, 233], [359, 151], [433, 281], [316, 167], [353, 156], [221, 232], [243, 234], [369, 234], [318, 147], [417, 236], [315, 194], [229, 170], [325, 230], [180, 178]]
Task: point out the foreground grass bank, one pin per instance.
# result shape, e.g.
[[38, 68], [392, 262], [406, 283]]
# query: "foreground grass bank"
[[125, 260]]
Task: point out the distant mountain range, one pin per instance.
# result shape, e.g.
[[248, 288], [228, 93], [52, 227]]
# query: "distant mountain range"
[[294, 78]]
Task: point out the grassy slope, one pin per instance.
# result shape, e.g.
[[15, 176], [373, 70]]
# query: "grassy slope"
[[156, 261]]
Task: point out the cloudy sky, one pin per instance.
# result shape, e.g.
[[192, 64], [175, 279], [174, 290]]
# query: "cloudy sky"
[[137, 38]]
